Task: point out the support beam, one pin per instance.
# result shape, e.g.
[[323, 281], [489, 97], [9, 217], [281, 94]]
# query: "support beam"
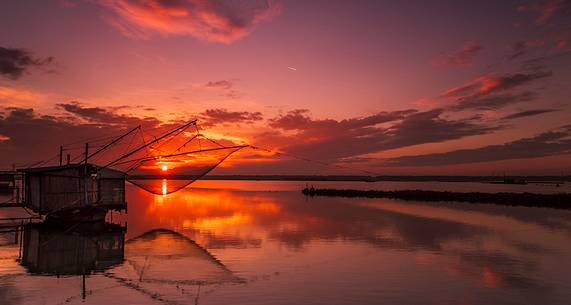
[[60, 155], [86, 152]]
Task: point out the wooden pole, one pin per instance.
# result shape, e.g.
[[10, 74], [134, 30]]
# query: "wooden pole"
[[85, 179], [83, 294], [86, 152], [21, 240], [60, 155]]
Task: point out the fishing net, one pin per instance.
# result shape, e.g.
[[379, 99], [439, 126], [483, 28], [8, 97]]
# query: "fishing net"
[[168, 174], [171, 162]]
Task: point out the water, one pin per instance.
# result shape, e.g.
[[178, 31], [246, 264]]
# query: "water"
[[264, 243]]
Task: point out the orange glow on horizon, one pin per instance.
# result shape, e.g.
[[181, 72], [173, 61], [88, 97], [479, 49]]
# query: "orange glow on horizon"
[[164, 168]]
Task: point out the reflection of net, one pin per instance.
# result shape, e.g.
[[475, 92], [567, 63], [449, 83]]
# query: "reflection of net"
[[164, 256], [165, 265], [165, 175]]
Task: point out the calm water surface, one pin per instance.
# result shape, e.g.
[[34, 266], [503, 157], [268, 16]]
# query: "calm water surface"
[[264, 243]]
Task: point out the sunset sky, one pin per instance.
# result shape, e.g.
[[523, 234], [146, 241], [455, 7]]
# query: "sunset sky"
[[390, 87]]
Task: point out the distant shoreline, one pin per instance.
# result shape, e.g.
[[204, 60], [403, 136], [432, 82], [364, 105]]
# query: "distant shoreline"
[[556, 201], [528, 179]]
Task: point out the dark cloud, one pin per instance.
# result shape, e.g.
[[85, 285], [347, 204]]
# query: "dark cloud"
[[218, 21], [233, 95], [518, 49], [431, 127], [98, 115], [294, 120], [462, 57], [527, 113], [14, 62], [493, 91], [331, 139], [547, 9], [221, 84], [492, 102], [226, 86], [299, 119], [539, 62], [554, 142], [212, 117], [34, 137], [521, 48]]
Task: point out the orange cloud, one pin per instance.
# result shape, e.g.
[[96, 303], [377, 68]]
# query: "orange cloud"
[[21, 97], [218, 21]]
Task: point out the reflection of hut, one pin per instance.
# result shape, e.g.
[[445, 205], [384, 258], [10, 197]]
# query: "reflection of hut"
[[55, 189], [7, 182], [57, 251]]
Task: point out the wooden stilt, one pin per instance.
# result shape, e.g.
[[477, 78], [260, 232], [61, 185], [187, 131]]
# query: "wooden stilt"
[[60, 155]]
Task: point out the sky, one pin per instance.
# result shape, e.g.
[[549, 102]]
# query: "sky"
[[386, 87]]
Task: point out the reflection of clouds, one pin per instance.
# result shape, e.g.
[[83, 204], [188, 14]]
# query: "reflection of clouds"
[[548, 218], [497, 269], [336, 219], [481, 245]]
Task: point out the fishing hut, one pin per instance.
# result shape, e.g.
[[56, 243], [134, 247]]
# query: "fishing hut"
[[74, 191], [85, 191]]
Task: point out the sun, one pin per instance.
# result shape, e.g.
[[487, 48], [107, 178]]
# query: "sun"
[[164, 168]]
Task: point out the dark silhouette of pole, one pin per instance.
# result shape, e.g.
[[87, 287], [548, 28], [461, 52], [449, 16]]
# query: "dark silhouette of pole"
[[60, 155], [83, 294], [68, 159], [86, 152]]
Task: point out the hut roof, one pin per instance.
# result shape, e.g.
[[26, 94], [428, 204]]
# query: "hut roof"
[[103, 172]]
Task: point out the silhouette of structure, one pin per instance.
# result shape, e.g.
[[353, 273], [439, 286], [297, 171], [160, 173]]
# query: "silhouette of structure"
[[76, 250]]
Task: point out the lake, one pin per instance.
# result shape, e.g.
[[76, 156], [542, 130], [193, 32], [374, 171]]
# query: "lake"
[[244, 242]]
